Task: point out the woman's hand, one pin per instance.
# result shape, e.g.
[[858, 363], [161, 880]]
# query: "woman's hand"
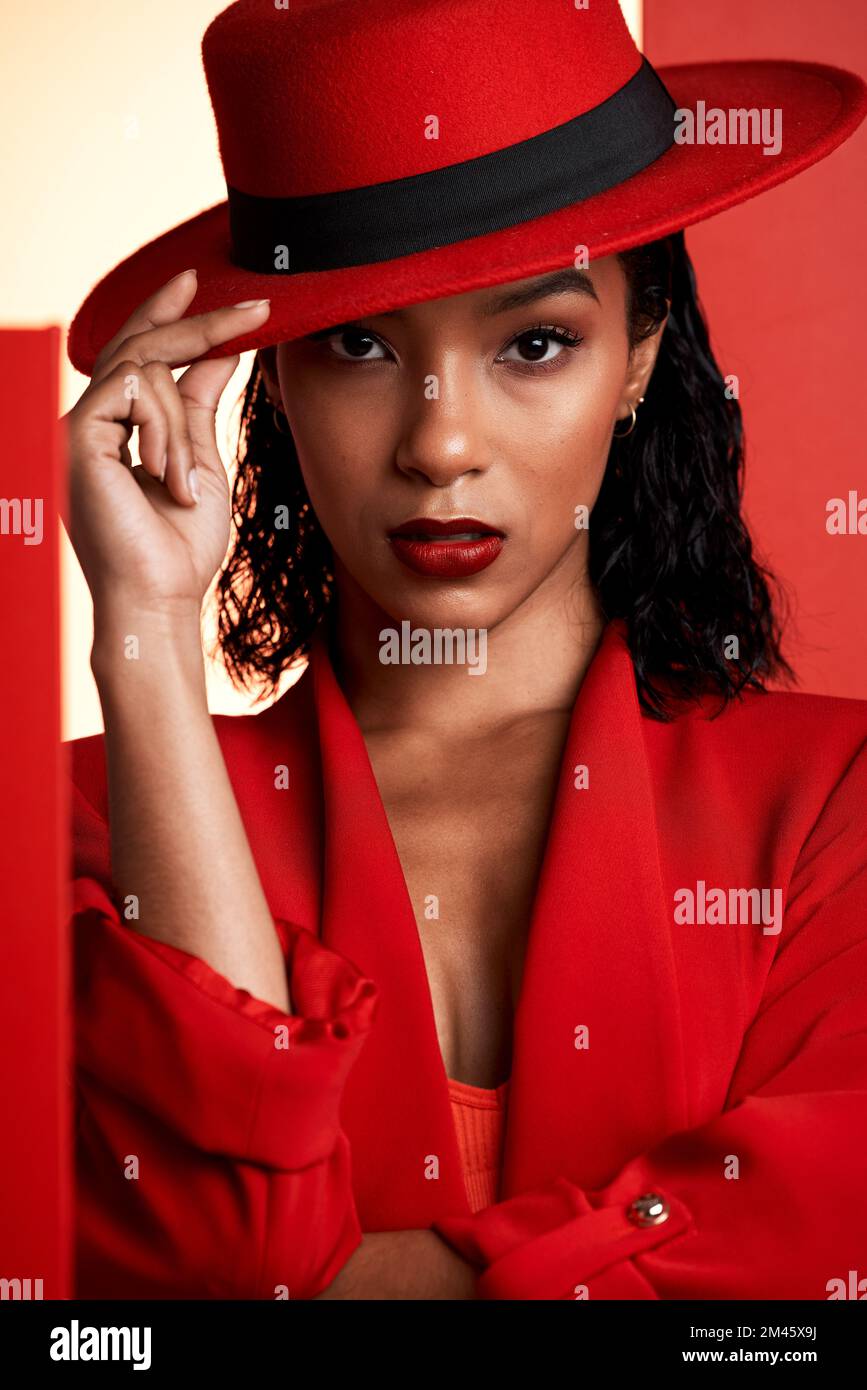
[[403, 1265], [151, 539]]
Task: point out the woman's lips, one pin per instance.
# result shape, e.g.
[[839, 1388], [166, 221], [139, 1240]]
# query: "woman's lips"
[[446, 559], [446, 550]]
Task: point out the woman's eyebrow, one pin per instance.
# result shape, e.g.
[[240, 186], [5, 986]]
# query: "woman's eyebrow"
[[567, 281]]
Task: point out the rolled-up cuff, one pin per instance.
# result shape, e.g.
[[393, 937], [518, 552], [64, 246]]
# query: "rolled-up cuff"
[[555, 1243], [228, 1072]]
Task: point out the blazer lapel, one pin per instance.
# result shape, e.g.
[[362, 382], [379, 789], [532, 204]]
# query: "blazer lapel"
[[396, 1110], [598, 1052]]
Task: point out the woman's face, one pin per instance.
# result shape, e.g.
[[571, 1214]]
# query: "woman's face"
[[493, 408]]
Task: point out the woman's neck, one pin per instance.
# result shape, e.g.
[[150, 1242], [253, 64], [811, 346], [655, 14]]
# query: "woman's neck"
[[532, 662]]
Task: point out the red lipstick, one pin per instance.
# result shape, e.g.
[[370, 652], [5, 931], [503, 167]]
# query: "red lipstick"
[[446, 549]]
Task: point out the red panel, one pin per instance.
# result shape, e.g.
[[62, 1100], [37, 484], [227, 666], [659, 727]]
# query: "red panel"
[[35, 1157], [783, 284]]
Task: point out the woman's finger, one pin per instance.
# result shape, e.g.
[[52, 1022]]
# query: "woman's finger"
[[97, 427], [200, 389], [124, 398], [190, 405], [180, 342], [177, 461], [152, 440], [167, 305]]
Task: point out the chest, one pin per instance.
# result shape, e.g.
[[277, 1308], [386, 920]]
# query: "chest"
[[469, 818]]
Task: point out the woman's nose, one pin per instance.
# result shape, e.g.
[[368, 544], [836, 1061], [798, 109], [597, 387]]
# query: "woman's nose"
[[446, 430]]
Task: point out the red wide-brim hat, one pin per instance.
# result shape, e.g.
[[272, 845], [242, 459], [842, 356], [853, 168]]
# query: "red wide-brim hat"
[[379, 153]]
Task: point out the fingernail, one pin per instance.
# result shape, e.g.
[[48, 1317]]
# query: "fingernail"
[[251, 303], [193, 484], [191, 271]]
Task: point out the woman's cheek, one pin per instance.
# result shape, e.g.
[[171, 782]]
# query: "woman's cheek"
[[573, 477], [332, 502], [340, 496]]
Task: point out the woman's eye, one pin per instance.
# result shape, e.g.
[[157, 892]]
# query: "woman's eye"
[[356, 345], [534, 347], [540, 345]]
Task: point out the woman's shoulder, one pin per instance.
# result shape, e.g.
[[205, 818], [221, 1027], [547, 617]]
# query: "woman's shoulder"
[[766, 747], [757, 715]]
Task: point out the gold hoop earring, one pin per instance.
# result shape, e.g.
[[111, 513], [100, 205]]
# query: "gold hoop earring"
[[623, 433], [277, 412]]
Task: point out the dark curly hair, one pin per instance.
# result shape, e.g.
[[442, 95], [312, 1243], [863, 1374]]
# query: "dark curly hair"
[[669, 551]]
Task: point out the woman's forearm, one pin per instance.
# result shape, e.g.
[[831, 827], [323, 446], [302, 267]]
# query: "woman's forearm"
[[412, 1264], [179, 849]]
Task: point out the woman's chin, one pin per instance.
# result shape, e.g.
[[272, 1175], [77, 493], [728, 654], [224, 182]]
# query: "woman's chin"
[[453, 605]]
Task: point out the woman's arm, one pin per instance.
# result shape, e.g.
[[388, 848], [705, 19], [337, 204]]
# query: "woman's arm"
[[210, 1161], [408, 1265], [179, 851], [149, 542]]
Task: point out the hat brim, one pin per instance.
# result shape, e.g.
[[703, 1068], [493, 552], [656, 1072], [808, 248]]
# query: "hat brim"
[[821, 107]]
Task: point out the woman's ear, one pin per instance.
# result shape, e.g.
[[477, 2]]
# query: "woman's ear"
[[641, 364], [267, 362]]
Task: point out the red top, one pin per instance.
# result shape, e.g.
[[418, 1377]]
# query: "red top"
[[688, 1094], [479, 1113]]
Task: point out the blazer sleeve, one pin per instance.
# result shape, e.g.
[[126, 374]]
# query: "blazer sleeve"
[[795, 1119], [210, 1161]]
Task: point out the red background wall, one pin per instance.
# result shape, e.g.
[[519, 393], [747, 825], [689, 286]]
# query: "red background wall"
[[35, 1095], [782, 280]]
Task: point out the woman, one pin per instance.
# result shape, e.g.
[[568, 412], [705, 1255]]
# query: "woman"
[[543, 984]]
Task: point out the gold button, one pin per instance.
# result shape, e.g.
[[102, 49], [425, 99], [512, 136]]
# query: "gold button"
[[649, 1210]]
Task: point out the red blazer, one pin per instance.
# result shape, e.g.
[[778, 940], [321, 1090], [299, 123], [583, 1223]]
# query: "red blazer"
[[716, 1065]]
